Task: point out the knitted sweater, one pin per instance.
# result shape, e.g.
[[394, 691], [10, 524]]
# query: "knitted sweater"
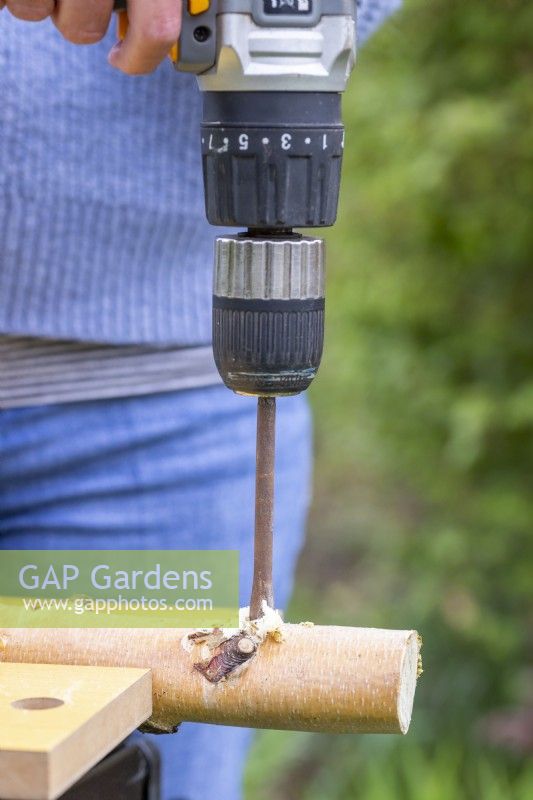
[[102, 229]]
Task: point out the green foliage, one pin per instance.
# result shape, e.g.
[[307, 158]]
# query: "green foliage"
[[324, 768], [424, 403]]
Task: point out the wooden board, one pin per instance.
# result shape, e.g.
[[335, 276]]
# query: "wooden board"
[[57, 721]]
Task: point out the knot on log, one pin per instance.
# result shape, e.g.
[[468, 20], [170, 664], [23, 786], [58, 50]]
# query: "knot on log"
[[229, 655]]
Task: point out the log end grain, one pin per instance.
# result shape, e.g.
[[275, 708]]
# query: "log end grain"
[[409, 672]]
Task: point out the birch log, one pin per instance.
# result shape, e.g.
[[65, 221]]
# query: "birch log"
[[330, 679]]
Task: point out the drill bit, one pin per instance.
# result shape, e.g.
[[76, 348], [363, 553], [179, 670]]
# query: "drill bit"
[[264, 507]]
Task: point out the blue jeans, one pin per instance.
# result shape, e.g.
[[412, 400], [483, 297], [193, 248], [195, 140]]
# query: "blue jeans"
[[172, 470]]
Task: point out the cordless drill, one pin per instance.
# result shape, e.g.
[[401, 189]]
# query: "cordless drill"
[[271, 73]]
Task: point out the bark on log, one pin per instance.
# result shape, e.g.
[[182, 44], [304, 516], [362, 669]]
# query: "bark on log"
[[331, 679]]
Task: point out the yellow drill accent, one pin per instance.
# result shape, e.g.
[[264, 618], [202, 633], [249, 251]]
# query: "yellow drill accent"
[[123, 24], [198, 7], [174, 54]]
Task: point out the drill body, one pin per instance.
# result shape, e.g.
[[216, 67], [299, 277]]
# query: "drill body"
[[260, 45]]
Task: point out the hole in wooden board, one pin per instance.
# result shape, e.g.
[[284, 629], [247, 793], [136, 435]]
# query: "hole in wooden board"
[[37, 703]]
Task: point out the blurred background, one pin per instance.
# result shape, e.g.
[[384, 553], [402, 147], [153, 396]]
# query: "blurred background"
[[424, 407]]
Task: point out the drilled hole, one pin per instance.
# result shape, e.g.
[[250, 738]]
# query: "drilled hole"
[[37, 703]]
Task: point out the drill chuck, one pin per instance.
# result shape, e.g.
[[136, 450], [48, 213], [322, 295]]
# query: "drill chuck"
[[268, 312]]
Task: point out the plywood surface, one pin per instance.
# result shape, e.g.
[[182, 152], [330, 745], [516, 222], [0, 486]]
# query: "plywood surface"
[[57, 721]]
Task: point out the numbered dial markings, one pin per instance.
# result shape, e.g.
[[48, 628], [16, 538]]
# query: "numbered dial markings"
[[302, 142]]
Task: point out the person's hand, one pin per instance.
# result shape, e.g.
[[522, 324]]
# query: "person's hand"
[[154, 27]]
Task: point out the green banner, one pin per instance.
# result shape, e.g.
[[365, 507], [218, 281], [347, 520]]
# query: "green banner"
[[119, 588]]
